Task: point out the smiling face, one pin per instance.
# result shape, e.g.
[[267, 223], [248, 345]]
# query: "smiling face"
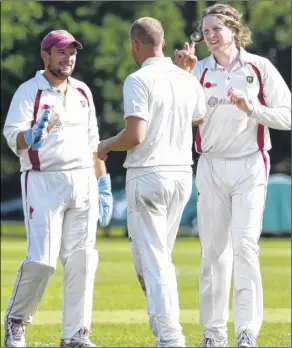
[[60, 62], [217, 36]]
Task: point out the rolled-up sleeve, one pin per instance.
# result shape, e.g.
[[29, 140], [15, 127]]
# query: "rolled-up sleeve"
[[277, 112], [136, 98], [19, 117]]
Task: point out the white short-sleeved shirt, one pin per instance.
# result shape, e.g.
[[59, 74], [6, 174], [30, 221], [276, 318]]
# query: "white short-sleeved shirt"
[[228, 131], [168, 99], [73, 139]]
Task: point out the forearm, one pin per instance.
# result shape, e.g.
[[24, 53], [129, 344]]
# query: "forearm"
[[123, 141], [276, 118], [99, 166], [20, 142]]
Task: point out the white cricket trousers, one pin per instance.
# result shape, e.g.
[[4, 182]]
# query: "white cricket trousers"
[[155, 205], [61, 213], [231, 199]]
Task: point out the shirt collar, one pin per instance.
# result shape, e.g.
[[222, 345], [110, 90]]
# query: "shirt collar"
[[155, 60], [243, 56], [44, 84]]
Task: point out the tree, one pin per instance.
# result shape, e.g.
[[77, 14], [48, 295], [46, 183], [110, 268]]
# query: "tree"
[[103, 64], [105, 61]]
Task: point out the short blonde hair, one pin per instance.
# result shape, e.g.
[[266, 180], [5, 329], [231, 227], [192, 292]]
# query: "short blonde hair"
[[148, 30], [231, 18]]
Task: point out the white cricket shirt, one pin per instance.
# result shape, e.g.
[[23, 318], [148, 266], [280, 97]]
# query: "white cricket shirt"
[[73, 139], [228, 131], [169, 99]]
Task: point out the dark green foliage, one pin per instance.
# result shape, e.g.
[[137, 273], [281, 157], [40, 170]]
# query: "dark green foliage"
[[105, 61]]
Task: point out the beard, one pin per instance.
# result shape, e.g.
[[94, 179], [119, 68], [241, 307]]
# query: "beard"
[[60, 74]]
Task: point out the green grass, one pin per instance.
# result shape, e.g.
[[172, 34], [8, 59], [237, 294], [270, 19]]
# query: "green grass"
[[120, 318]]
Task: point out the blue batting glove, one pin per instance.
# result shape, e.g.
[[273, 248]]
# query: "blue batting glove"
[[105, 200], [36, 135]]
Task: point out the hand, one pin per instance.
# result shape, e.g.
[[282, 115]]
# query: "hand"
[[105, 200], [186, 58], [102, 150], [238, 98], [36, 135]]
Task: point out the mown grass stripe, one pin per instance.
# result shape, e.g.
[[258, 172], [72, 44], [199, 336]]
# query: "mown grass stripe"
[[271, 315]]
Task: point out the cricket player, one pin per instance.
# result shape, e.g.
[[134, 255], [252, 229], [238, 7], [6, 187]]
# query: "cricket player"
[[245, 96], [160, 103], [51, 126]]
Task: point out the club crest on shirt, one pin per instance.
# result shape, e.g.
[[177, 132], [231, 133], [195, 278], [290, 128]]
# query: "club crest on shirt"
[[249, 79], [82, 102]]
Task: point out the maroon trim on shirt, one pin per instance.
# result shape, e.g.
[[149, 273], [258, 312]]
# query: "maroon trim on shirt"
[[261, 128], [203, 76], [34, 154], [198, 139], [261, 90], [83, 93]]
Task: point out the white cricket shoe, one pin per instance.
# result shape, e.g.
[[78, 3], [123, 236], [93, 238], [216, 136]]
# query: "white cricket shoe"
[[14, 333], [246, 339], [210, 342], [80, 339]]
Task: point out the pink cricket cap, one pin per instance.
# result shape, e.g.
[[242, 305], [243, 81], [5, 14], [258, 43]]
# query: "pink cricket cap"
[[59, 39]]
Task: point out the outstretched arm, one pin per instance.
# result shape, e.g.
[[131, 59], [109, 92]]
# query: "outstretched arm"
[[131, 136]]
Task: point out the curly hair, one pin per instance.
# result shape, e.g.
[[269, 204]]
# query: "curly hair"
[[231, 18]]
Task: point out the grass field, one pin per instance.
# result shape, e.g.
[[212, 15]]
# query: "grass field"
[[119, 318]]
